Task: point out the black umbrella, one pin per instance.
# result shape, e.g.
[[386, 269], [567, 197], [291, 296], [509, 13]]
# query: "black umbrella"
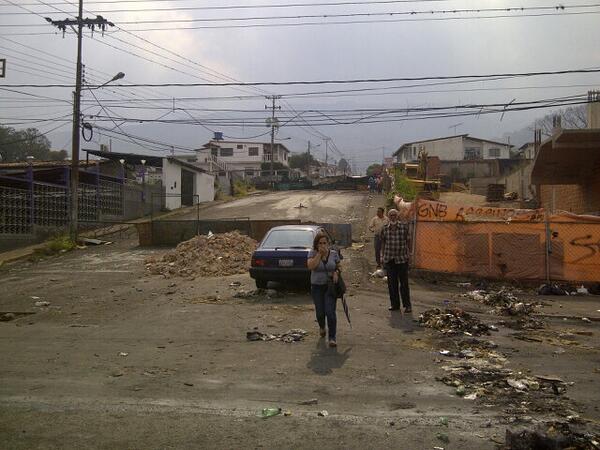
[[345, 306]]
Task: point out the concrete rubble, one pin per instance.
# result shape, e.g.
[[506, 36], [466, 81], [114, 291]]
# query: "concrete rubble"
[[206, 256], [453, 321]]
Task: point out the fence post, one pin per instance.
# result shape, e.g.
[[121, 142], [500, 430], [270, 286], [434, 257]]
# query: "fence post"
[[414, 234], [31, 189], [548, 246], [197, 214]]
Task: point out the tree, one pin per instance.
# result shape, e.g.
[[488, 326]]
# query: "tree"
[[572, 117], [301, 160], [374, 169], [276, 166], [343, 165], [17, 145]]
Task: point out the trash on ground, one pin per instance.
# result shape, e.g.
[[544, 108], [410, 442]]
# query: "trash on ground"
[[270, 412], [323, 413], [219, 255], [42, 303], [289, 336], [581, 290], [443, 437], [312, 401], [94, 241], [552, 289], [123, 354], [380, 273], [551, 435], [453, 321]]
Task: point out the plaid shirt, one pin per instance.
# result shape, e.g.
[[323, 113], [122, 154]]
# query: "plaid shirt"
[[396, 242]]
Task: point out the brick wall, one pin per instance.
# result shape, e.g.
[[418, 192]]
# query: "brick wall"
[[575, 198]]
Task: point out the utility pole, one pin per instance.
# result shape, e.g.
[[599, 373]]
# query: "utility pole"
[[79, 22], [308, 162], [274, 124], [326, 150]]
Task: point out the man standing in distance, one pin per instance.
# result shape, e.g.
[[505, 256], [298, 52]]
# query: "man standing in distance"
[[376, 226], [395, 243]]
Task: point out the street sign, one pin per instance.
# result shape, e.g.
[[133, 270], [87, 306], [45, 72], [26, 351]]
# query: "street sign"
[[2, 67]]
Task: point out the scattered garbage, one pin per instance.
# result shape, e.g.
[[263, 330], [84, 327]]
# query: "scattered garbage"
[[289, 336], [123, 354], [94, 241], [323, 413], [312, 401], [551, 289], [7, 317], [581, 290], [42, 303], [453, 321], [270, 412], [443, 437], [551, 435], [380, 273], [218, 255]]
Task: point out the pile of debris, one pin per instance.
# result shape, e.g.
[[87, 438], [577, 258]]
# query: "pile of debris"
[[209, 255], [453, 321], [289, 336], [565, 289], [479, 378], [551, 435], [503, 300], [469, 348]]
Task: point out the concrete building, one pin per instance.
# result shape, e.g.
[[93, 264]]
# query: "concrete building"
[[185, 184], [567, 167], [242, 156], [527, 151], [454, 148]]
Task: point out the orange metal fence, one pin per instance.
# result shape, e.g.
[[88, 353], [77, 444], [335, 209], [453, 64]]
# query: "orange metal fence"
[[506, 243]]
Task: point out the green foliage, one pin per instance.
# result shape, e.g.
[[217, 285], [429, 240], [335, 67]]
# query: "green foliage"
[[16, 145], [374, 169], [58, 244], [276, 166], [300, 161], [241, 188], [403, 187]]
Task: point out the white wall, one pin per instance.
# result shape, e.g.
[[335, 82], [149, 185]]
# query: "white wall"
[[172, 184], [504, 150], [204, 185]]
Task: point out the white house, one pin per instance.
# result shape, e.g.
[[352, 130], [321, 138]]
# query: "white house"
[[185, 184], [527, 151], [242, 156], [454, 148]]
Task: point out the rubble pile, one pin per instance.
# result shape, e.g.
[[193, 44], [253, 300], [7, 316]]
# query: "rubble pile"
[[209, 256], [551, 435], [503, 300], [289, 336], [474, 348], [453, 321], [520, 393]]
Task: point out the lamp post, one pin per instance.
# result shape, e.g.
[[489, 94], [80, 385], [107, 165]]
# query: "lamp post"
[[75, 138], [143, 161]]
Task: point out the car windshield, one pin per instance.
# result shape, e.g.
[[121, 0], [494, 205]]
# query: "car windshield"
[[288, 238]]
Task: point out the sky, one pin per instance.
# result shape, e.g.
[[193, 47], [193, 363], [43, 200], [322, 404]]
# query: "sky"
[[160, 119]]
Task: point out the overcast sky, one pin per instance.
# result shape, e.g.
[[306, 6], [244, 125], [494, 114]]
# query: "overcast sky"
[[407, 47]]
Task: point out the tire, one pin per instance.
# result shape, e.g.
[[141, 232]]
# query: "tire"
[[261, 284]]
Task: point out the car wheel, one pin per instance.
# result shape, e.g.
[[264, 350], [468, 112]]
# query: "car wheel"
[[261, 284]]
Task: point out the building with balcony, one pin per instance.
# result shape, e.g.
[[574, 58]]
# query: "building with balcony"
[[243, 156]]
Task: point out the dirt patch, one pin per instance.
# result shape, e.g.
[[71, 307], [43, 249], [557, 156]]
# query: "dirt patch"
[[202, 256]]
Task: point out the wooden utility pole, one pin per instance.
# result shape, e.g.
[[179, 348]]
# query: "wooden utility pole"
[[62, 25]]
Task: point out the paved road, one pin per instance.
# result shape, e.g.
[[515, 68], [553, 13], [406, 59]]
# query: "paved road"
[[190, 379]]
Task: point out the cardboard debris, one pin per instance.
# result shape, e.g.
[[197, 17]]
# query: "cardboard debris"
[[289, 336], [218, 255]]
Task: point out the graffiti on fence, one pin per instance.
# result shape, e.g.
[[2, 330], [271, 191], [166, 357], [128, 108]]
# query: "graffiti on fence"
[[432, 211], [588, 242]]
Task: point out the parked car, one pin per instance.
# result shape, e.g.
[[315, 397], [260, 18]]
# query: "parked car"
[[281, 256]]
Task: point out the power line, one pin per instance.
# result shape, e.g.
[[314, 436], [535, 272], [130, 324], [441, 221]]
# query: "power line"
[[347, 81]]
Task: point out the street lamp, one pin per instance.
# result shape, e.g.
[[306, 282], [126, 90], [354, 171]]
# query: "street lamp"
[[122, 161], [76, 142]]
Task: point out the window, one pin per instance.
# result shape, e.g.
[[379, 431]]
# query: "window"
[[289, 238], [494, 153], [240, 146], [214, 151], [253, 151], [414, 152], [226, 152], [472, 153]]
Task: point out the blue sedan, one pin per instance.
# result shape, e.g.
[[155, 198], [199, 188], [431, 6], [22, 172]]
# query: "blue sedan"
[[281, 256]]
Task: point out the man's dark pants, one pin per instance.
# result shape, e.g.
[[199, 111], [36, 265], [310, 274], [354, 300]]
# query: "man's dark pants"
[[377, 241], [398, 273]]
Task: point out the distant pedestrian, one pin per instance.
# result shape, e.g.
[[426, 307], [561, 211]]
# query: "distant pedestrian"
[[395, 243], [324, 264], [371, 184], [375, 226]]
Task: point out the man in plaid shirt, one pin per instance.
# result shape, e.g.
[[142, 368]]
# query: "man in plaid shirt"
[[395, 247]]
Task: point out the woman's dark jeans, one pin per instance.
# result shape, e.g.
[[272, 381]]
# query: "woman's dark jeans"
[[325, 308]]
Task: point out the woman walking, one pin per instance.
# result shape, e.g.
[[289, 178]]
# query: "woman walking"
[[324, 263]]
